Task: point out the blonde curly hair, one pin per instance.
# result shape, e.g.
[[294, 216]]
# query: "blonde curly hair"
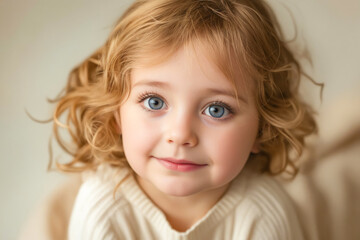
[[242, 36]]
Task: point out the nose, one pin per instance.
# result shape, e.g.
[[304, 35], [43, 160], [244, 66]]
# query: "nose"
[[181, 130]]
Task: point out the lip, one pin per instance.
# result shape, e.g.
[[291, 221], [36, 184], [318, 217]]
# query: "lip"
[[181, 165]]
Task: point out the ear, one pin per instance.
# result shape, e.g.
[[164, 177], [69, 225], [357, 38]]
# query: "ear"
[[117, 122], [256, 146]]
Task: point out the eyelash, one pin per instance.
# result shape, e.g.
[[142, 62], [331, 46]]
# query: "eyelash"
[[146, 95]]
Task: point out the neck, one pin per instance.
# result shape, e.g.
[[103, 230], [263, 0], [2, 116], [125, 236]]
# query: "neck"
[[182, 212]]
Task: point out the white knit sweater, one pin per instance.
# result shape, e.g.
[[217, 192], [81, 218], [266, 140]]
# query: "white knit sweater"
[[254, 207]]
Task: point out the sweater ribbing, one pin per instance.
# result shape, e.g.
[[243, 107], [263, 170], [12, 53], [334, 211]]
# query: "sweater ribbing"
[[254, 207]]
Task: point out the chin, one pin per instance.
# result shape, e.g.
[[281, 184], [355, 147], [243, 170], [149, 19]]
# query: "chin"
[[179, 193], [178, 190]]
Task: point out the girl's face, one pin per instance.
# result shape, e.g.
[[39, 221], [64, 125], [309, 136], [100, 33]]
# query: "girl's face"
[[182, 127]]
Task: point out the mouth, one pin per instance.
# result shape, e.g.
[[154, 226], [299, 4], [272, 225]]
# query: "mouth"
[[181, 165]]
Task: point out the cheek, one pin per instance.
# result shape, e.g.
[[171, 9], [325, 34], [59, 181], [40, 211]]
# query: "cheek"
[[138, 136], [235, 144], [231, 151]]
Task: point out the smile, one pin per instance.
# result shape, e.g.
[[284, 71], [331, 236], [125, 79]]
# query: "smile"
[[180, 165]]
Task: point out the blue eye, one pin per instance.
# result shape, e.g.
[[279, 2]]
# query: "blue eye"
[[216, 111], [154, 103]]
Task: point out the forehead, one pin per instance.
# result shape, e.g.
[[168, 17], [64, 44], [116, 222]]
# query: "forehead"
[[187, 68], [212, 62], [184, 64]]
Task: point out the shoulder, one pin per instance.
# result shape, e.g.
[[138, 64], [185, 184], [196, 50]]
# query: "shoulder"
[[272, 210], [96, 204], [100, 185]]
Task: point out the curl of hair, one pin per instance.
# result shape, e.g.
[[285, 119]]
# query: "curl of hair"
[[242, 37]]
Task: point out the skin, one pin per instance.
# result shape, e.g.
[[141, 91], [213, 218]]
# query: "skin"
[[184, 89]]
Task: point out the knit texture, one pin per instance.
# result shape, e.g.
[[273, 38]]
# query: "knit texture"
[[254, 207]]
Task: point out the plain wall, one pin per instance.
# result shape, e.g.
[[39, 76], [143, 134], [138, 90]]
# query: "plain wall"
[[42, 40]]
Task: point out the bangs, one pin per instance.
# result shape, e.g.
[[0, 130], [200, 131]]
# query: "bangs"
[[206, 27]]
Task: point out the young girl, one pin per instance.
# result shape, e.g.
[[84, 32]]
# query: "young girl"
[[176, 119]]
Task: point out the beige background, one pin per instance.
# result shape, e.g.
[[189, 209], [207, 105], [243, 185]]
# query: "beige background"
[[41, 40]]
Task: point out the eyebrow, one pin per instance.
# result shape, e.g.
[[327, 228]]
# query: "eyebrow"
[[152, 84], [208, 90], [226, 93]]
